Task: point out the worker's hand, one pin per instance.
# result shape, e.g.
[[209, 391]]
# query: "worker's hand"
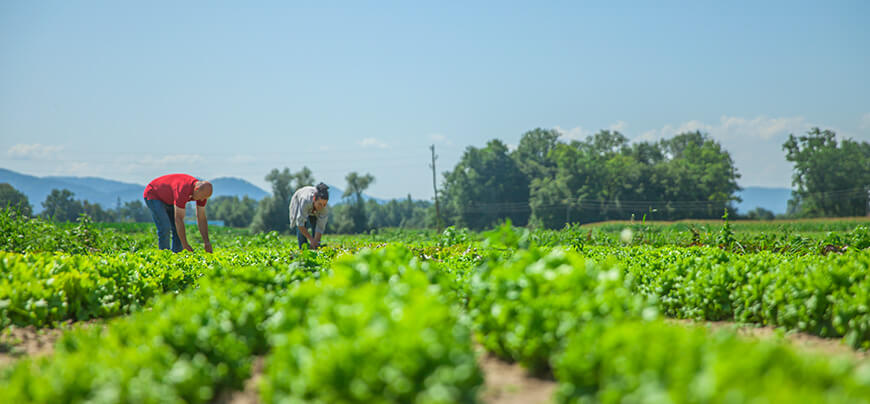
[[207, 246], [314, 246]]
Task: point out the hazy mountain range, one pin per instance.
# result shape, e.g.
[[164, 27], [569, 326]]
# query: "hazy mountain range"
[[106, 192]]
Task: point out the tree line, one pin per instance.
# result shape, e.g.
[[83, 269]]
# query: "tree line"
[[547, 182]]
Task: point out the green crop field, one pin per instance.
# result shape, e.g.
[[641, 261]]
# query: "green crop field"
[[400, 316]]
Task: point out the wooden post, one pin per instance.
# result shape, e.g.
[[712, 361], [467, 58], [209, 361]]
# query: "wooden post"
[[435, 187]]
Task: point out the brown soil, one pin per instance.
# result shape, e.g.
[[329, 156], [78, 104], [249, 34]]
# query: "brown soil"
[[509, 383], [800, 341], [251, 393], [18, 342], [505, 383]]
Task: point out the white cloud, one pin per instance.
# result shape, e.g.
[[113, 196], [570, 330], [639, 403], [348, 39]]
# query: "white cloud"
[[619, 126], [581, 133], [865, 121], [372, 142], [577, 133], [760, 128], [34, 151]]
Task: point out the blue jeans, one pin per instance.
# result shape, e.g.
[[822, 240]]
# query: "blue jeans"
[[311, 224], [164, 218]]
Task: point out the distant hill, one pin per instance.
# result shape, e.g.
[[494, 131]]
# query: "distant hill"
[[98, 190], [230, 186], [772, 199], [106, 192]]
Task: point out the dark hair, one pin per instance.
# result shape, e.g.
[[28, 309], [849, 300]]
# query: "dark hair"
[[322, 191]]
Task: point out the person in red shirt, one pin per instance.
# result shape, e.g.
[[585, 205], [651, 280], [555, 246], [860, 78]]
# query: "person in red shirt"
[[167, 197]]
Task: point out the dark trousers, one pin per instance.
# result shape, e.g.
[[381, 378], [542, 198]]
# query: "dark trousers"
[[310, 224], [164, 218]]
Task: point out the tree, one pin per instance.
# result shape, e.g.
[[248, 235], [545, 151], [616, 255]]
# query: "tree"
[[532, 154], [760, 213], [356, 185], [135, 211], [13, 199], [486, 187], [697, 170], [60, 205], [303, 178], [831, 178], [604, 177], [233, 211], [96, 212]]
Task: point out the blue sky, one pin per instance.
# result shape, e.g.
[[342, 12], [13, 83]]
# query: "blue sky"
[[133, 91]]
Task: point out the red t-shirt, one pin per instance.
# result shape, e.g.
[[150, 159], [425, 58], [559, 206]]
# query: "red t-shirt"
[[173, 189]]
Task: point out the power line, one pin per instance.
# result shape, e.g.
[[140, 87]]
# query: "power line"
[[636, 205]]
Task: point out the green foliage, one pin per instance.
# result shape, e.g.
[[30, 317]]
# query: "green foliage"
[[59, 205], [605, 178], [233, 211], [136, 211], [387, 316], [404, 214], [760, 213], [363, 335], [825, 296], [185, 350], [533, 153], [524, 308], [831, 178], [22, 234], [13, 199], [486, 187], [450, 236], [657, 362], [356, 209], [41, 289]]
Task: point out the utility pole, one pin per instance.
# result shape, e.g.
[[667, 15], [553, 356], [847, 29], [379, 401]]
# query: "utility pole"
[[868, 201], [435, 187], [119, 209]]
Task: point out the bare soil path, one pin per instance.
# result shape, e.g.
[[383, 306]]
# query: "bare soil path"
[[19, 342], [510, 383], [251, 393], [802, 342]]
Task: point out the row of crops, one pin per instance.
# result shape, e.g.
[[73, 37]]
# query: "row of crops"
[[374, 320], [826, 296]]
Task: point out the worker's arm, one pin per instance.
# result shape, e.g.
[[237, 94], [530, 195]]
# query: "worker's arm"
[[179, 228], [316, 242], [202, 223], [307, 235]]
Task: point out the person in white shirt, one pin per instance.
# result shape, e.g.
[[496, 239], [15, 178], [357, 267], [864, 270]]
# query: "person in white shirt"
[[308, 208]]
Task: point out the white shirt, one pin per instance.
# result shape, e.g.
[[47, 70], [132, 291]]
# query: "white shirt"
[[302, 206]]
